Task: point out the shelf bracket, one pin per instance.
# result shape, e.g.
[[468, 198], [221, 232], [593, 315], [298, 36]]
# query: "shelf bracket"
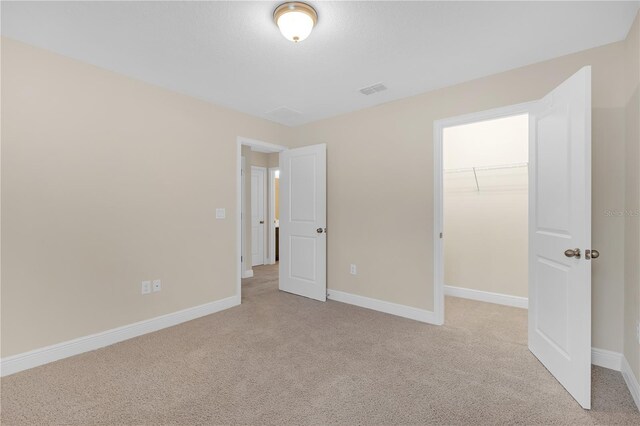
[[475, 175]]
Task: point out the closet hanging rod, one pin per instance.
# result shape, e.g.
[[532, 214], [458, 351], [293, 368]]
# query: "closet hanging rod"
[[475, 169]]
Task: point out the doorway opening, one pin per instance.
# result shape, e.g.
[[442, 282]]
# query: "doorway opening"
[[258, 176], [481, 216], [485, 227], [296, 209], [485, 210], [274, 215]]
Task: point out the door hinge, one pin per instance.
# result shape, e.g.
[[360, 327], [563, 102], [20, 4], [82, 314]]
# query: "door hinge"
[[441, 235]]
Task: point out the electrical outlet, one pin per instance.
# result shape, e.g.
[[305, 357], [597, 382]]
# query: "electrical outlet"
[[157, 285], [353, 269], [146, 287]]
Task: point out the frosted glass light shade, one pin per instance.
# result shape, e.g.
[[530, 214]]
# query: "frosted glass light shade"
[[295, 20]]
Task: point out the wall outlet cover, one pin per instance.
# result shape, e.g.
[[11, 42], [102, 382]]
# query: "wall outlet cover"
[[157, 285], [146, 287], [221, 213], [353, 269]]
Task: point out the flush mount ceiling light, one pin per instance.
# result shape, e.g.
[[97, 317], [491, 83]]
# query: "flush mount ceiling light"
[[295, 20]]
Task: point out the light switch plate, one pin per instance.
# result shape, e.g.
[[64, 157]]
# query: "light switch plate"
[[221, 213], [157, 285]]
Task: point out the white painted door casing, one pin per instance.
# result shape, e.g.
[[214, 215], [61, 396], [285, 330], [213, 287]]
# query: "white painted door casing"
[[258, 212], [303, 221], [560, 212], [243, 255]]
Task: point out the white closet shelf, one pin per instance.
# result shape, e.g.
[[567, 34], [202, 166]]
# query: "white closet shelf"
[[475, 170], [480, 168]]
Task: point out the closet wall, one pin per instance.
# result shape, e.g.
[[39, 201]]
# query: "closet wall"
[[485, 205]]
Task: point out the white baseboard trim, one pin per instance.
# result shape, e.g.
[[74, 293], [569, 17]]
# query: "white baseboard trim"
[[617, 361], [247, 274], [13, 364], [487, 296], [382, 306], [632, 381], [607, 359]]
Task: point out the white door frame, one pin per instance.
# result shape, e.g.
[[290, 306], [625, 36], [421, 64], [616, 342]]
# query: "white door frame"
[[271, 253], [438, 218], [243, 170], [264, 147], [263, 207]]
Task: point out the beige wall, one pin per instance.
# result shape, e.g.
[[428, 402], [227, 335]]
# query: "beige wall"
[[632, 218], [380, 183], [262, 159], [274, 160], [485, 213], [485, 240], [108, 181], [259, 159]]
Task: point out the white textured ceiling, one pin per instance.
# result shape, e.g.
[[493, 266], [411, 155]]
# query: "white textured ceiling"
[[232, 54]]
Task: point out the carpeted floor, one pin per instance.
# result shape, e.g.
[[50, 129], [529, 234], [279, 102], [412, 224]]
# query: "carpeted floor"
[[283, 359]]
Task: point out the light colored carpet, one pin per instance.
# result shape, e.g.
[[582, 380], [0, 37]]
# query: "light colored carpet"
[[284, 359]]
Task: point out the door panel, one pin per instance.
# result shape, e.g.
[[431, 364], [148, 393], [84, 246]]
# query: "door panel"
[[553, 153], [303, 239], [553, 288], [303, 253], [258, 209], [560, 196], [303, 189]]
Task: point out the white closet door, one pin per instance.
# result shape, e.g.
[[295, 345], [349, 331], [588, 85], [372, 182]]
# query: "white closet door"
[[258, 210], [560, 202]]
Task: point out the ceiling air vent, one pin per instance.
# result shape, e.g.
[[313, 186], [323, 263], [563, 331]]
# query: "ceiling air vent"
[[375, 88]]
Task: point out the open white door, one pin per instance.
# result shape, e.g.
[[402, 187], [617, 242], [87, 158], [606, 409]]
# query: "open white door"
[[258, 208], [303, 221], [560, 212]]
